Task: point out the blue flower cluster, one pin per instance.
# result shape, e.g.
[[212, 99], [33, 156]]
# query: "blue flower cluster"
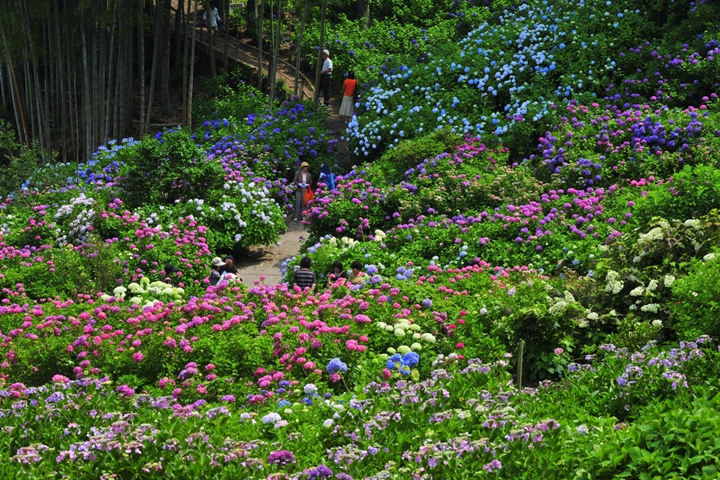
[[493, 83], [403, 363], [336, 366], [403, 273]]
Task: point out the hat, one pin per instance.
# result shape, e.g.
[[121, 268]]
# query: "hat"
[[216, 262], [170, 268], [304, 164], [326, 52]]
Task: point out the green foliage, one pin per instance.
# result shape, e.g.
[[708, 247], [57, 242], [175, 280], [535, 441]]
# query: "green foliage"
[[690, 193], [407, 154], [19, 163], [161, 171], [696, 308], [671, 440]]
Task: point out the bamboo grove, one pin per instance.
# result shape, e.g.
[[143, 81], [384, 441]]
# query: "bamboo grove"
[[76, 73]]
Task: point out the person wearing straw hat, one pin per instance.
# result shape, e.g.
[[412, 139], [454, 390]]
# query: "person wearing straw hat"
[[215, 275], [303, 179]]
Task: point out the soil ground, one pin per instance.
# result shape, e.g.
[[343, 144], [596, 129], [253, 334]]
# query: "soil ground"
[[267, 261]]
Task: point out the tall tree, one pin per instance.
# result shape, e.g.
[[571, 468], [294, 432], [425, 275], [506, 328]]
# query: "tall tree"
[[192, 68], [261, 21], [156, 54], [17, 97], [165, 72], [141, 61], [298, 53], [323, 10]]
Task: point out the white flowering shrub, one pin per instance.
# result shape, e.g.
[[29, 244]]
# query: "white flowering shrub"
[[238, 216]]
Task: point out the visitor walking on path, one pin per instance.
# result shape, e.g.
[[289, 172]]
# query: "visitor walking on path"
[[212, 17], [347, 108], [304, 277], [327, 69], [303, 180]]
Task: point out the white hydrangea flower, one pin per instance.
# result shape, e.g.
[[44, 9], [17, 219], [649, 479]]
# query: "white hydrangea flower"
[[637, 291], [669, 280], [709, 257], [650, 307], [652, 286], [657, 323]]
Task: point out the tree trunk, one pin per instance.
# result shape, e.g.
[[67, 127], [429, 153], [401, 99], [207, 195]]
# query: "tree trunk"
[[276, 54], [271, 60], [87, 109], [128, 90], [18, 98], [165, 72], [179, 32], [211, 42], [298, 54], [226, 16], [2, 89], [111, 81], [320, 59], [192, 68], [362, 12], [61, 76], [260, 44], [141, 61], [185, 60], [153, 70]]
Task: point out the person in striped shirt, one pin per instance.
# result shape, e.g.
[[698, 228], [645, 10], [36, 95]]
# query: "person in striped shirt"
[[304, 277]]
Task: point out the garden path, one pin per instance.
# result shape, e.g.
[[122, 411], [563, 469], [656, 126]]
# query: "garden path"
[[240, 51], [267, 261]]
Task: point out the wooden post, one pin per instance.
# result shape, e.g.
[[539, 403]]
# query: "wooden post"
[[521, 347]]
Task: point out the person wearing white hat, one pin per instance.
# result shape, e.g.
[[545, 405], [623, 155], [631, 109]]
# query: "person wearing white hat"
[[327, 69], [215, 265], [303, 179]]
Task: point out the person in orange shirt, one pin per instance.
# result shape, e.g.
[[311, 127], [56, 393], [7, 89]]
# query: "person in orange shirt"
[[347, 108]]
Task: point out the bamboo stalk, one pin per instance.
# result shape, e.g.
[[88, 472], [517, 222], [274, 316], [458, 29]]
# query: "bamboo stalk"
[[192, 69], [298, 54], [141, 61], [19, 103]]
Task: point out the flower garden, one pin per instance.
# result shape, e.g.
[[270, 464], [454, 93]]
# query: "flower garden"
[[537, 216]]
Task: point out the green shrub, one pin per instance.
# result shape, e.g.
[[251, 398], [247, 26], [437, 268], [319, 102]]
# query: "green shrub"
[[696, 306], [165, 169], [690, 193], [396, 161]]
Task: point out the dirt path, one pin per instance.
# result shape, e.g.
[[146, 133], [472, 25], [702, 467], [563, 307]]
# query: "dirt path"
[[240, 51], [267, 261]]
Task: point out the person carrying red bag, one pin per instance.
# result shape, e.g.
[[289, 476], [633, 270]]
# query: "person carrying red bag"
[[303, 181]]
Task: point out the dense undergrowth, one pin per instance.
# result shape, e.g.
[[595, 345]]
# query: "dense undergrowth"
[[573, 212]]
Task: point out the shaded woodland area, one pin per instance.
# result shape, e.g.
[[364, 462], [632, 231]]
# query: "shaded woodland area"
[[71, 76]]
